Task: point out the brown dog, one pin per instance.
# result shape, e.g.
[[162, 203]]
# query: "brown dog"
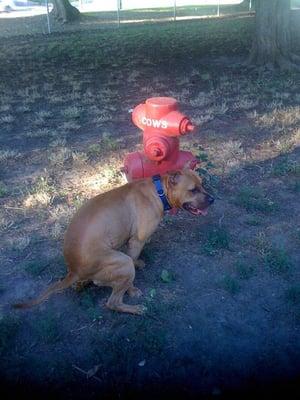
[[127, 215]]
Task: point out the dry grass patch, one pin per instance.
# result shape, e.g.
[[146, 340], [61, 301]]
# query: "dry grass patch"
[[280, 118]]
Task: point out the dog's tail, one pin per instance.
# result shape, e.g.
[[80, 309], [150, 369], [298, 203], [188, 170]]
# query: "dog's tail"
[[56, 287]]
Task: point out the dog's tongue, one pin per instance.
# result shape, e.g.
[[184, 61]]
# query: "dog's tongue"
[[198, 211], [203, 212]]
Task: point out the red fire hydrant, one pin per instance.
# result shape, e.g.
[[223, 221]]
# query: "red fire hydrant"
[[162, 125]]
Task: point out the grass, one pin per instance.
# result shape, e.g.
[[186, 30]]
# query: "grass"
[[215, 239], [278, 260], [9, 327], [230, 284], [286, 167], [36, 267], [254, 200], [3, 189], [47, 328], [245, 270], [275, 258], [292, 295]]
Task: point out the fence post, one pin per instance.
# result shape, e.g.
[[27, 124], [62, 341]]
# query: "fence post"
[[48, 19], [174, 10], [250, 5], [118, 12], [218, 9]]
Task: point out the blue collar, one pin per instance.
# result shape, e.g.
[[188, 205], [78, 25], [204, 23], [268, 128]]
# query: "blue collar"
[[160, 191]]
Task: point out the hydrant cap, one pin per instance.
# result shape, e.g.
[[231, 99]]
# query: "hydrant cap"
[[159, 106]]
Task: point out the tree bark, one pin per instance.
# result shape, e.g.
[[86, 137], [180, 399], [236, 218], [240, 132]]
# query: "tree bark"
[[271, 44], [63, 11]]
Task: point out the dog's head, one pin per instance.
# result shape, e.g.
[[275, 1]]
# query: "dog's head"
[[185, 190]]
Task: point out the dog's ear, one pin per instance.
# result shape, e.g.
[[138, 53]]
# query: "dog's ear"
[[174, 177]]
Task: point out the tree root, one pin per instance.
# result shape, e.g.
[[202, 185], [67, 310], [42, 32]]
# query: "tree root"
[[288, 63]]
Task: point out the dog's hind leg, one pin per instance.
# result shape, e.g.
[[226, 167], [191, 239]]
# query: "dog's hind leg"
[[134, 248], [117, 271]]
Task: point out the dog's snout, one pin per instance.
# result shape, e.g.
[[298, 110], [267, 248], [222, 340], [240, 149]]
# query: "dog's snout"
[[210, 199]]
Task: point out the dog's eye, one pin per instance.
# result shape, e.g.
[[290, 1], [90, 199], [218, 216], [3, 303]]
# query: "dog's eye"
[[195, 190]]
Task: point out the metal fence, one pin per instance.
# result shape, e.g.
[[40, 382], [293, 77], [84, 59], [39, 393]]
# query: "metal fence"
[[32, 19]]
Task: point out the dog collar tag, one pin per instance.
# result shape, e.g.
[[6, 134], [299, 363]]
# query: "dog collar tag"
[[160, 191]]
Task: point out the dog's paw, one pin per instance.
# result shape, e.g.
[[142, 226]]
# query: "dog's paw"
[[140, 310]]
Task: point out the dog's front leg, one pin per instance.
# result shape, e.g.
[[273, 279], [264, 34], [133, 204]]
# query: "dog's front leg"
[[134, 248]]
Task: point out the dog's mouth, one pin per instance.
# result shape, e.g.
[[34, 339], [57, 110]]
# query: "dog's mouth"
[[194, 210]]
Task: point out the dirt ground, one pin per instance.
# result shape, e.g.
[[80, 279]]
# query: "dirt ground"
[[222, 292]]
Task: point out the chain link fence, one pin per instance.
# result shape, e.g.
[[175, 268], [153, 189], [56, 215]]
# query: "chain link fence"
[[21, 17]]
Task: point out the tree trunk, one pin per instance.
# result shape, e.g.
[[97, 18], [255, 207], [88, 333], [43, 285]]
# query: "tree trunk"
[[271, 44], [63, 11]]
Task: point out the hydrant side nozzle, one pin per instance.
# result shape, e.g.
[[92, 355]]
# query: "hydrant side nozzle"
[[186, 126]]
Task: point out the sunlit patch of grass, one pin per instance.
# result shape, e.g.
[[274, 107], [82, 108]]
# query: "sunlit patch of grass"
[[106, 144], [79, 158], [230, 154], [254, 199], [37, 199], [40, 194], [281, 118], [59, 156]]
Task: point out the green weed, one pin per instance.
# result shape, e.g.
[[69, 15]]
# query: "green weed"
[[286, 167], [230, 284], [292, 294], [253, 220], [244, 269], [3, 189], [277, 260], [216, 239], [253, 199], [9, 326]]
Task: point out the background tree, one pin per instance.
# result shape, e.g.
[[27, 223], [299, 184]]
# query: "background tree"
[[63, 11], [272, 38]]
